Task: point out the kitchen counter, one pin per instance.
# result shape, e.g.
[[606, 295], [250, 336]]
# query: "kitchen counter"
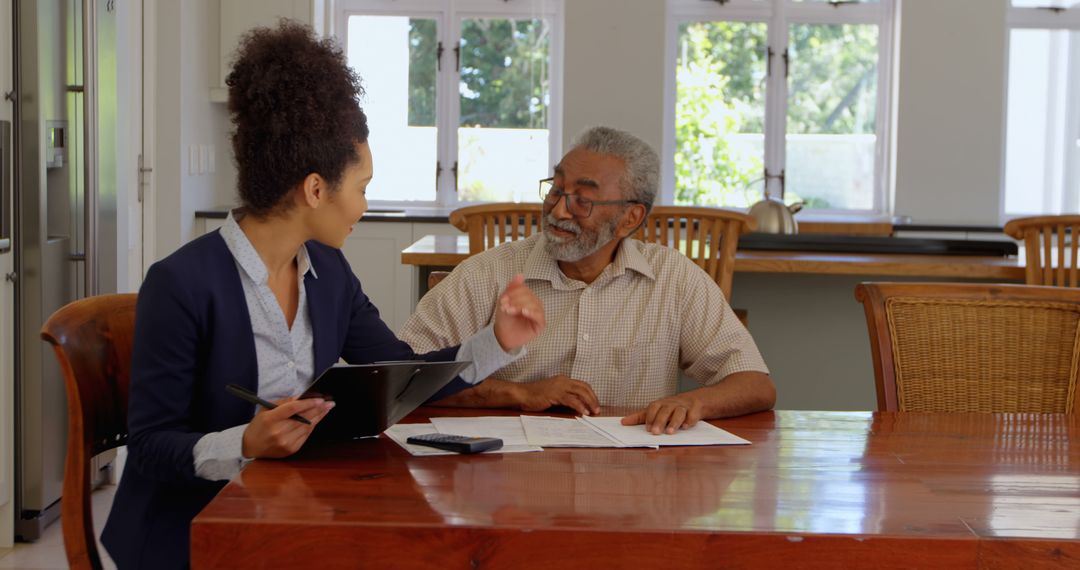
[[448, 251]]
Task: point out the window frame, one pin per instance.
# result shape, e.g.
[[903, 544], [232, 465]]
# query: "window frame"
[[779, 16], [1040, 18], [448, 16]]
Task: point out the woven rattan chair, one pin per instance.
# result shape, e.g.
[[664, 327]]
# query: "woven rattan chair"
[[436, 277], [92, 339], [1051, 256], [959, 347]]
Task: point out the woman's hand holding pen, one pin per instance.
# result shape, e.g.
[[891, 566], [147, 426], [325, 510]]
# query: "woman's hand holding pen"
[[273, 433], [520, 317]]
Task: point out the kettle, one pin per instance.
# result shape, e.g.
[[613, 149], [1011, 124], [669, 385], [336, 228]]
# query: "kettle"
[[775, 217]]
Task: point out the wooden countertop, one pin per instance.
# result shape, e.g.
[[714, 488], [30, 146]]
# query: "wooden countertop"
[[814, 489], [448, 251]]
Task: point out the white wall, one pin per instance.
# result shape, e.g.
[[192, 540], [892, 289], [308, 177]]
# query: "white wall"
[[950, 102], [614, 68], [951, 110], [187, 64], [128, 144]]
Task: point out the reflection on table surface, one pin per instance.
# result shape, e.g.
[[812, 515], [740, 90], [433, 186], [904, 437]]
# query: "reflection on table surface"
[[963, 477]]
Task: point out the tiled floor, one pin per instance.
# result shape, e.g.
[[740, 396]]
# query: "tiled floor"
[[48, 552]]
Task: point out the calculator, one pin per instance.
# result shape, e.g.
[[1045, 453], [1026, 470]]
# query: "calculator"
[[456, 443]]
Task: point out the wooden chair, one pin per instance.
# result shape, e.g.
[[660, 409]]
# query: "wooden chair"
[[1042, 235], [963, 347], [708, 236], [436, 277], [92, 338], [490, 225]]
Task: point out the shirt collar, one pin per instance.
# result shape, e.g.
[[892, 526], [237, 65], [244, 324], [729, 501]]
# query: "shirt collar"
[[540, 265], [248, 259]]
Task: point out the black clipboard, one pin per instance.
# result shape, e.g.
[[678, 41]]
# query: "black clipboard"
[[369, 398]]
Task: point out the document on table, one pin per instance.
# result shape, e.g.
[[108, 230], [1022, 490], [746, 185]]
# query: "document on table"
[[506, 428], [547, 431], [702, 433], [399, 433]]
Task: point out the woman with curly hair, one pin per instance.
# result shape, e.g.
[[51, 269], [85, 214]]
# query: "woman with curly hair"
[[267, 302]]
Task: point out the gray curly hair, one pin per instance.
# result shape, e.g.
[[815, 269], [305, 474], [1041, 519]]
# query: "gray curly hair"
[[642, 176]]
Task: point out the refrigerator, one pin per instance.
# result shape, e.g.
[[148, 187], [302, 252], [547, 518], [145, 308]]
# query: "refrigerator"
[[64, 235]]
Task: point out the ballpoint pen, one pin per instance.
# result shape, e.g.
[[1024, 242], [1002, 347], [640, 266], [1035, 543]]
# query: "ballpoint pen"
[[248, 395]]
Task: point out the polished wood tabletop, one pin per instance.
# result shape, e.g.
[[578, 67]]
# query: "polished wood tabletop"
[[815, 489], [448, 251]]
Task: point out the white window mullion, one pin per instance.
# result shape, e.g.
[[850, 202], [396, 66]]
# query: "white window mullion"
[[883, 150], [667, 153], [1071, 189], [555, 110], [450, 107], [1059, 170], [1056, 129], [776, 102]]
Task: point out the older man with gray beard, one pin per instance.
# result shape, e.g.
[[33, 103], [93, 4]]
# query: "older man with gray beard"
[[623, 316]]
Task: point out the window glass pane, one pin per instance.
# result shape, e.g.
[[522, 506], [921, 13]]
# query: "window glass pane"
[[832, 109], [1042, 148], [396, 59], [505, 93], [720, 113]]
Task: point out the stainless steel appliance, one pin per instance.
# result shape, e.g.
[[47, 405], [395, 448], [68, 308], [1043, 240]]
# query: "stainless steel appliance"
[[775, 217], [65, 228]]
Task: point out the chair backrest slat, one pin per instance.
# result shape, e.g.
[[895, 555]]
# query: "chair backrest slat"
[[1059, 273], [1047, 256], [714, 259], [1074, 240], [1046, 241]]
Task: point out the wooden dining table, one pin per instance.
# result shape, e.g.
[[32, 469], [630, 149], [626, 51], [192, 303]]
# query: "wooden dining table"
[[813, 489]]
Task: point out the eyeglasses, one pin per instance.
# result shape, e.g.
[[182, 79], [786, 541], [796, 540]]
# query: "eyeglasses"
[[577, 205]]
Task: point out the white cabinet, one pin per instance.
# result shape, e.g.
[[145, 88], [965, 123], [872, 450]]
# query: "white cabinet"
[[211, 224], [421, 229], [374, 252], [239, 16]]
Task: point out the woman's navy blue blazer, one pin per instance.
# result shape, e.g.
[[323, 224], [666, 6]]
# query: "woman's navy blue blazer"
[[193, 336]]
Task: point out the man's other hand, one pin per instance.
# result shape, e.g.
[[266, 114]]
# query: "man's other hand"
[[558, 391], [667, 415]]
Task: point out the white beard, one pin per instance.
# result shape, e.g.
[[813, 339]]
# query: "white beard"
[[582, 244]]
